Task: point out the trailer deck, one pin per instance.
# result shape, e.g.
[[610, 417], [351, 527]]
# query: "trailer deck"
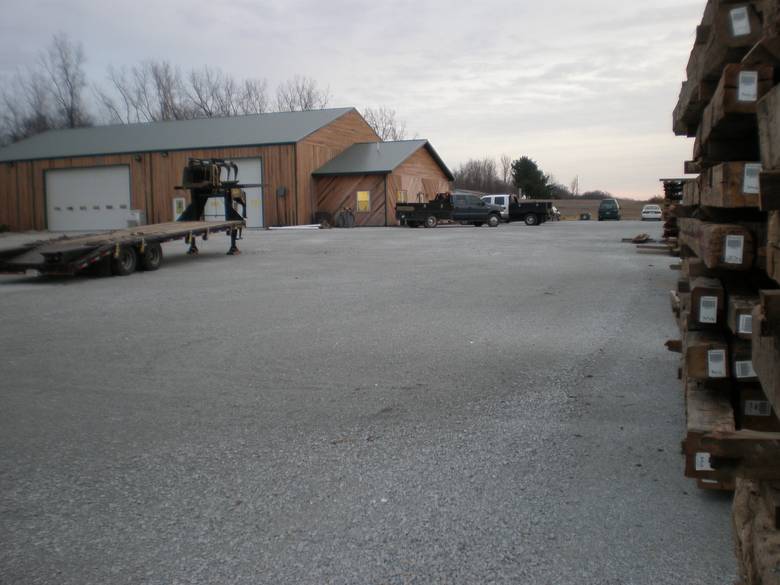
[[68, 255]]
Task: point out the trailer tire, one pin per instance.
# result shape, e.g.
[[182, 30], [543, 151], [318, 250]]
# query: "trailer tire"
[[125, 262], [531, 219], [431, 221], [152, 257], [493, 221]]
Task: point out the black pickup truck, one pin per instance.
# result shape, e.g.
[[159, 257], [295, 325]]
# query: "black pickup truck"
[[467, 209]]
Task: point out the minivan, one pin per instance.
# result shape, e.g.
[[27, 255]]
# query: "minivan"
[[609, 209]]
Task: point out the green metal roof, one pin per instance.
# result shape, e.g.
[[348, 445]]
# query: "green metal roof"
[[249, 130], [373, 158]]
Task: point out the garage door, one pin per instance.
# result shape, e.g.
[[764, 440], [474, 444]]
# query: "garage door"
[[250, 170], [95, 198]]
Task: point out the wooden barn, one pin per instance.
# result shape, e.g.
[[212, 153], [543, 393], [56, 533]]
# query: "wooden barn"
[[370, 178], [94, 178]]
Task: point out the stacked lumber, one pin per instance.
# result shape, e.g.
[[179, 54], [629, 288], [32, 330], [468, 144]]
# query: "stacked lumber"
[[727, 301], [674, 191]]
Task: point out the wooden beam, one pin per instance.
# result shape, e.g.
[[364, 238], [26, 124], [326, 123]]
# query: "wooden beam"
[[707, 410], [708, 303], [768, 115], [727, 246], [706, 355], [740, 315]]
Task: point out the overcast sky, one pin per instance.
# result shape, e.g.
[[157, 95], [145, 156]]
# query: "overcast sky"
[[585, 88]]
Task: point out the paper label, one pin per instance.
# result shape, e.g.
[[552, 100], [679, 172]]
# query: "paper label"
[[750, 181], [703, 462], [747, 88], [733, 250], [716, 363], [745, 324], [757, 408], [745, 369], [708, 310], [740, 22]]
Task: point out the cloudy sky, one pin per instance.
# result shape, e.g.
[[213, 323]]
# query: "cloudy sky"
[[585, 88]]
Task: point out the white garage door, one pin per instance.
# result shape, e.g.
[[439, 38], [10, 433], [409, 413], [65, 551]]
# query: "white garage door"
[[250, 170], [95, 198]]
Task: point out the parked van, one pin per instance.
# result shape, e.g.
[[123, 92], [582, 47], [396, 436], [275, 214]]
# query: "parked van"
[[609, 209], [500, 200]]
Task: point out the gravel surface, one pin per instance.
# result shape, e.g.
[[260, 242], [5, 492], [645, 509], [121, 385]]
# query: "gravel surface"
[[368, 406]]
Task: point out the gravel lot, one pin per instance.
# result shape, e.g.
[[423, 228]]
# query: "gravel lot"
[[368, 406]]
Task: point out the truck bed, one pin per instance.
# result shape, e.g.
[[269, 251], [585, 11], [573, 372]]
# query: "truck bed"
[[69, 254]]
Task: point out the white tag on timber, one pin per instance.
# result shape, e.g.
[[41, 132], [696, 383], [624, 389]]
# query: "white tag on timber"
[[747, 88], [734, 249], [716, 363], [757, 408], [750, 181], [745, 369], [712, 481], [745, 324], [740, 22], [708, 310], [703, 462]]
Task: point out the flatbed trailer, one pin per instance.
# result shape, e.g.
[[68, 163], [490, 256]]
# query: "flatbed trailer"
[[124, 250]]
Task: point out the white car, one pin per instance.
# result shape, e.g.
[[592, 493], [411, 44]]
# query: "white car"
[[501, 201], [651, 212]]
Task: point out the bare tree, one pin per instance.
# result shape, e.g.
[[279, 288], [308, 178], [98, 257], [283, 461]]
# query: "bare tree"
[[253, 98], [299, 94], [26, 106], [212, 92], [574, 186], [479, 175], [385, 123], [505, 162], [149, 92], [63, 63]]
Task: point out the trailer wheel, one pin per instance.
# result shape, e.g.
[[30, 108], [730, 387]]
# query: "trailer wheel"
[[125, 262], [493, 221], [152, 257], [431, 221], [531, 219]]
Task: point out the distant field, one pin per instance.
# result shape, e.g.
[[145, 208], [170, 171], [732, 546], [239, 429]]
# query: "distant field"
[[629, 208]]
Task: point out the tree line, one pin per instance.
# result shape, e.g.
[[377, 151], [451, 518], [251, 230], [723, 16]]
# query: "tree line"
[[522, 176], [56, 93]]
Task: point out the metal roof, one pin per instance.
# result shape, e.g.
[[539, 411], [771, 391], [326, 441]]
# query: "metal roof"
[[249, 130], [371, 158]]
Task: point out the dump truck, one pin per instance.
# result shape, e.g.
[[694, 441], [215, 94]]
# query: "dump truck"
[[122, 252]]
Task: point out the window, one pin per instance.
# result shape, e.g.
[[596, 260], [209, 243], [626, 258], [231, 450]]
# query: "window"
[[363, 201], [402, 196], [500, 201]]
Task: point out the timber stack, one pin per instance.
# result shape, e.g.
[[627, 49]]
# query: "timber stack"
[[727, 300]]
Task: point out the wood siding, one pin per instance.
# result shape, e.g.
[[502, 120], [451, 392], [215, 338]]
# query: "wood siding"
[[419, 174], [320, 147], [153, 177], [337, 193]]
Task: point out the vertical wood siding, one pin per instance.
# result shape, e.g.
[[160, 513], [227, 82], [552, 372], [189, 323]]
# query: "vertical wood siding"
[[419, 174], [153, 177], [336, 193], [320, 147]]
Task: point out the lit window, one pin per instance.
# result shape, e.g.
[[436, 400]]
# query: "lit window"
[[402, 195], [363, 201]]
